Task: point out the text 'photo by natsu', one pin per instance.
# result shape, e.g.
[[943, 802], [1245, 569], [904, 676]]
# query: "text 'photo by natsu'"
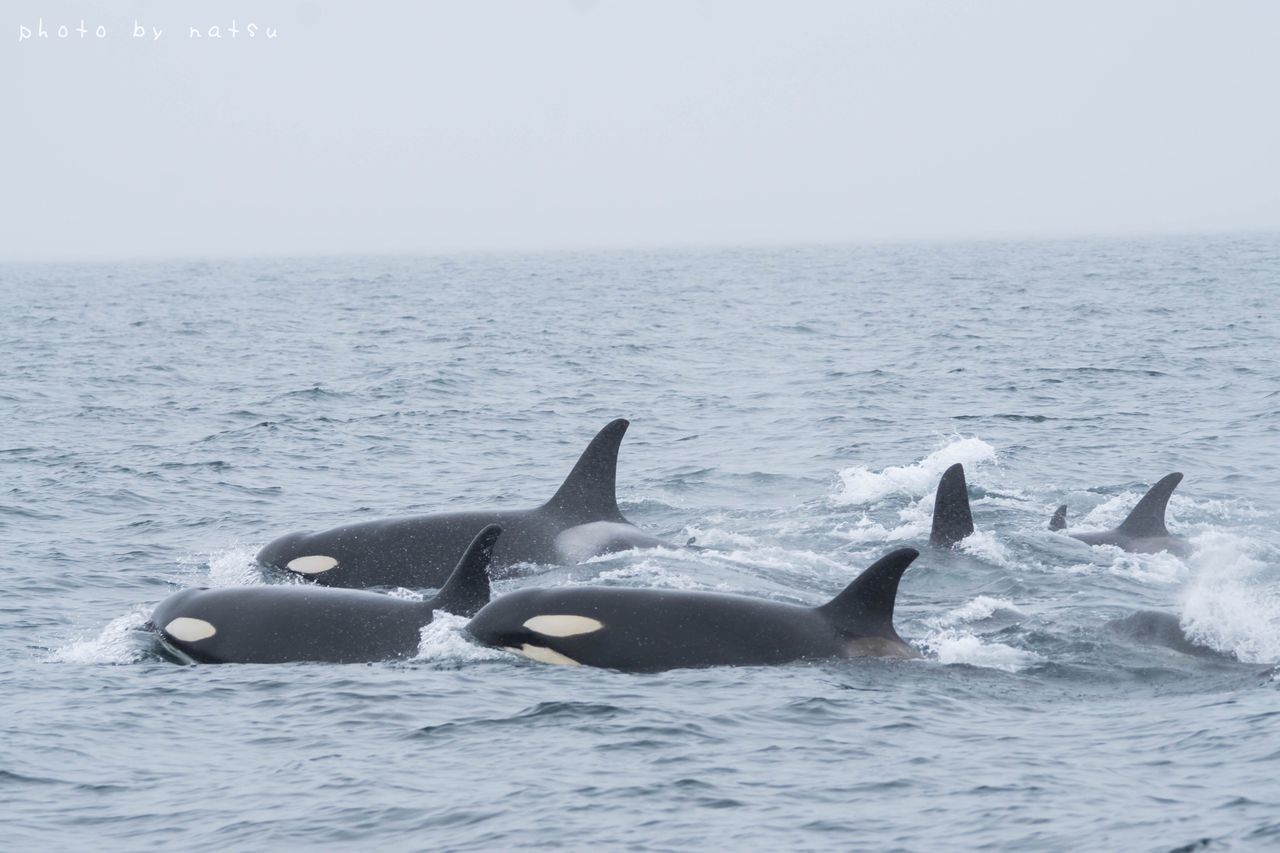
[[96, 31]]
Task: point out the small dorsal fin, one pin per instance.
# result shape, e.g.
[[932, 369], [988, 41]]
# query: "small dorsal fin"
[[589, 492], [865, 608], [1059, 520], [1147, 518], [467, 589], [952, 520]]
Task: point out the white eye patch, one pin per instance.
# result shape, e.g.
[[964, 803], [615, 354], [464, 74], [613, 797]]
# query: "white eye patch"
[[189, 630], [563, 625], [542, 654], [312, 565]]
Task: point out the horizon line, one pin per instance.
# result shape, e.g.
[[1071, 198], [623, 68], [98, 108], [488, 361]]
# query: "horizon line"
[[516, 249]]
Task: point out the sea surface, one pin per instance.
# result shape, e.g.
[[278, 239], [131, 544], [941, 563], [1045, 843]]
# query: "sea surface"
[[792, 409]]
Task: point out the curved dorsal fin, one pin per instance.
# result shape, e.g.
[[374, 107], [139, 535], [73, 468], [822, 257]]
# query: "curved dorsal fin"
[[1059, 520], [865, 608], [467, 589], [1147, 518], [589, 492], [952, 520]]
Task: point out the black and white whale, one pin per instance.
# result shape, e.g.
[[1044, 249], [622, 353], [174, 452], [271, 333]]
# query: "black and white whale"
[[952, 518], [1143, 532], [581, 521], [649, 630], [304, 622]]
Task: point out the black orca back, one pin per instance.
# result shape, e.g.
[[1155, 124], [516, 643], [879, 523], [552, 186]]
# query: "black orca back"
[[589, 493], [865, 607], [1147, 518], [952, 519]]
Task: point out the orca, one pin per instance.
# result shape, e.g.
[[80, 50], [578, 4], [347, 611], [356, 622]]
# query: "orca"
[[650, 630], [1154, 628], [952, 519], [581, 521], [304, 622], [1143, 532]]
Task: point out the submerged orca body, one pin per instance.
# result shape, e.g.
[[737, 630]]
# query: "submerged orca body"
[[1144, 531], [649, 630], [952, 519], [1153, 628], [302, 622], [581, 521]]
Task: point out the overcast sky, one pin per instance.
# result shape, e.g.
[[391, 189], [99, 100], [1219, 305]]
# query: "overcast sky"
[[425, 127]]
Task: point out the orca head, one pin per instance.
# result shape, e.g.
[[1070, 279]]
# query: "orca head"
[[297, 553], [183, 627], [522, 622], [501, 622]]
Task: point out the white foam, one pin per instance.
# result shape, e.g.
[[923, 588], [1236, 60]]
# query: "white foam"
[[986, 546], [981, 608], [406, 594], [649, 573], [1229, 605], [1222, 509], [1161, 567], [861, 485], [952, 643], [612, 556], [1183, 507], [1158, 568], [916, 521], [445, 640], [1105, 515], [952, 646], [116, 643], [1009, 498], [1112, 512], [236, 566], [718, 538], [863, 530]]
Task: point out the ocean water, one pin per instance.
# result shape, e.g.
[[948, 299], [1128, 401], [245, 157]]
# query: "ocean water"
[[791, 408]]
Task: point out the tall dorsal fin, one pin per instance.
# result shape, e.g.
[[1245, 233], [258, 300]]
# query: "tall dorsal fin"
[[467, 589], [1059, 520], [589, 492], [1147, 518], [865, 608], [952, 520]]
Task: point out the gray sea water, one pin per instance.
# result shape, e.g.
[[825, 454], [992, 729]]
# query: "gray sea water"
[[790, 408]]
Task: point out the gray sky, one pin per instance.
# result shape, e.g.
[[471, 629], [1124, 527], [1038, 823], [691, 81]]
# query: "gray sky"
[[422, 127]]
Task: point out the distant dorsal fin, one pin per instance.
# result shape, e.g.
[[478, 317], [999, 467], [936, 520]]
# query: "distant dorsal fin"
[[1147, 518], [952, 520], [865, 608], [589, 493], [1059, 520], [467, 589]]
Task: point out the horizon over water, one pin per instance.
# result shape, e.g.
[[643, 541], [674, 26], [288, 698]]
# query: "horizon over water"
[[791, 408]]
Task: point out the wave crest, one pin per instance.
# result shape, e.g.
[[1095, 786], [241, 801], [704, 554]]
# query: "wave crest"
[[861, 485]]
